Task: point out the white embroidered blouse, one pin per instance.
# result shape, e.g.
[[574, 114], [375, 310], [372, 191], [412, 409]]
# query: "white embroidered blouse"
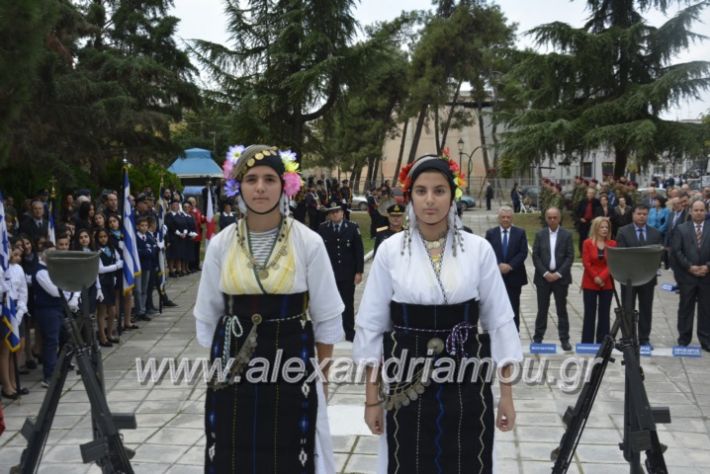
[[313, 273], [407, 278]]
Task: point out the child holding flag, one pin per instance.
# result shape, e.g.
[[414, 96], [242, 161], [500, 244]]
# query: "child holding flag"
[[16, 301]]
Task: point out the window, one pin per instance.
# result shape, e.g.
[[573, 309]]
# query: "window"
[[587, 170]]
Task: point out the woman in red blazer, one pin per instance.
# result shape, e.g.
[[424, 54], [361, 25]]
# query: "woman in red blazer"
[[597, 283]]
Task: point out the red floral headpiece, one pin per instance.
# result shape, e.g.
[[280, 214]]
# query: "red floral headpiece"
[[459, 179]]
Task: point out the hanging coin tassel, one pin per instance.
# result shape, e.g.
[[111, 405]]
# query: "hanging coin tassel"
[[284, 205], [403, 396], [242, 358]]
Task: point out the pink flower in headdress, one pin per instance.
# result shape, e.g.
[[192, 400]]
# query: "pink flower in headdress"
[[292, 183], [227, 168]]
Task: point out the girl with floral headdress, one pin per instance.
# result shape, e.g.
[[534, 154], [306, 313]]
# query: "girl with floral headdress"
[[267, 298], [435, 293]]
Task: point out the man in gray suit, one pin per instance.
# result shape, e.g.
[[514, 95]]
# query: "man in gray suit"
[[553, 254], [691, 251], [638, 234]]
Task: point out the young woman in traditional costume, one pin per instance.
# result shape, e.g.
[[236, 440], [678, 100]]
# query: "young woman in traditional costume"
[[267, 287], [435, 292]]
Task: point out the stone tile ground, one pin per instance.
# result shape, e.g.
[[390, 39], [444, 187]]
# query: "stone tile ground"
[[169, 437]]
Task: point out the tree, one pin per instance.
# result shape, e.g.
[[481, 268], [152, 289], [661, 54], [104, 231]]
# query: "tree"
[[288, 63], [458, 44], [605, 86], [110, 78], [352, 134], [23, 33]]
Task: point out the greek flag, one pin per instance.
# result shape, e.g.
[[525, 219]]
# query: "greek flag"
[[131, 262], [160, 237], [52, 234], [9, 326]]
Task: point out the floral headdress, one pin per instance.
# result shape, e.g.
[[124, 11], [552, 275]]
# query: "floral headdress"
[[457, 177], [240, 159]]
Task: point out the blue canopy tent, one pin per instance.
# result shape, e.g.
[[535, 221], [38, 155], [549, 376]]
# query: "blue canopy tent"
[[195, 163], [195, 168]]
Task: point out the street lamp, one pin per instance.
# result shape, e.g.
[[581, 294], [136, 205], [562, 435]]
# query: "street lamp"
[[469, 168]]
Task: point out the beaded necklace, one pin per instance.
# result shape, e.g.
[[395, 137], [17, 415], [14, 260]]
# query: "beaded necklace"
[[437, 260]]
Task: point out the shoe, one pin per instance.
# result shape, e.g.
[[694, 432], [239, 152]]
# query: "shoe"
[[682, 343], [169, 304], [31, 364], [143, 317], [151, 312], [131, 327], [646, 343], [44, 384], [566, 346], [105, 344], [10, 396], [537, 340], [114, 340], [23, 391]]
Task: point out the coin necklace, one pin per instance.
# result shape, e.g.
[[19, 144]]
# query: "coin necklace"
[[262, 271]]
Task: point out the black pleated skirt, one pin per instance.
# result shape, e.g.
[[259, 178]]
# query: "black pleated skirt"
[[449, 428], [264, 427]]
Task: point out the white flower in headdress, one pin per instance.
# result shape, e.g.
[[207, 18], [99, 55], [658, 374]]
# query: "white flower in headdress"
[[234, 153], [287, 155]]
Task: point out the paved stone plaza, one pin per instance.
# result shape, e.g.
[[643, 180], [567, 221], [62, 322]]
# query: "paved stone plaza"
[[169, 435]]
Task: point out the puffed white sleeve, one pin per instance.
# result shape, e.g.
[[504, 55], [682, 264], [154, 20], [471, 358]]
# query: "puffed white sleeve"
[[209, 305], [496, 317], [373, 316], [324, 303], [21, 288]]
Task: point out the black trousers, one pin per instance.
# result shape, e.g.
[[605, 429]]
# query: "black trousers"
[[596, 300], [514, 297], [690, 295], [559, 290], [346, 288], [644, 295]]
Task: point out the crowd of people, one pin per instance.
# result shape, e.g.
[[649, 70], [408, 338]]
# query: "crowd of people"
[[614, 213], [82, 223]]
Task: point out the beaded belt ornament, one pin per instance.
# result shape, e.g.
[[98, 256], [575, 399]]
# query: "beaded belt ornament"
[[403, 393], [233, 330]]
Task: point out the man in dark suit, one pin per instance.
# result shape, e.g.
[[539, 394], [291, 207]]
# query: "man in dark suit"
[[553, 254], [347, 256], [638, 234], [35, 225], [677, 216], [511, 247], [691, 250]]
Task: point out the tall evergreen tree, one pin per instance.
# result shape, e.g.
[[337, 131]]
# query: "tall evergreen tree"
[[111, 79], [605, 85], [289, 61], [463, 46], [24, 28], [352, 134]]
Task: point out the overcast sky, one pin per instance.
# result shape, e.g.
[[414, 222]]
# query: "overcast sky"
[[204, 19]]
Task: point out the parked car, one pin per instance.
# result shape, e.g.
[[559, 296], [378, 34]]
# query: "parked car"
[[467, 202], [359, 203], [398, 195]]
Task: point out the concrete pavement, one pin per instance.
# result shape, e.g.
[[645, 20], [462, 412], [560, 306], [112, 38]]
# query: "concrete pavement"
[[170, 438]]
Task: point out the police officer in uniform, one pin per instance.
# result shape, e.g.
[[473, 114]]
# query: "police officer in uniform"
[[395, 217], [347, 256]]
